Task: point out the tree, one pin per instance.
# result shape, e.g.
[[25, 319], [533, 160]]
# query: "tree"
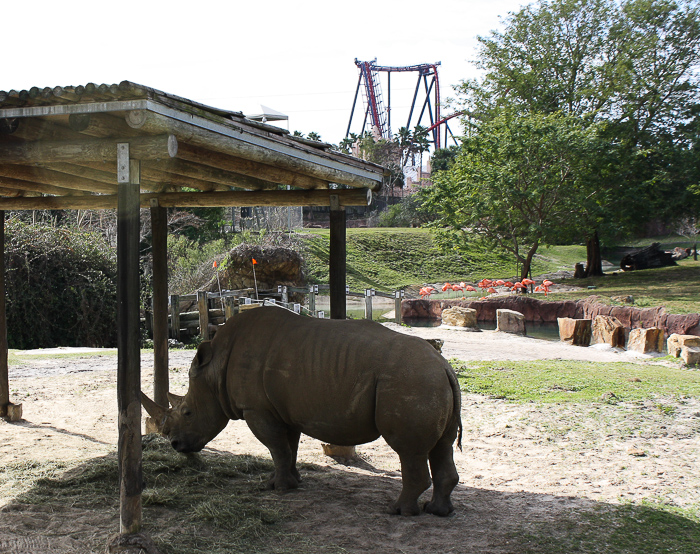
[[519, 181], [443, 158], [347, 143], [629, 65]]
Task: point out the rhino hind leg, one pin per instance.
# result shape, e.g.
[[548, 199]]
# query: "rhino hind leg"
[[416, 479], [282, 443], [445, 477]]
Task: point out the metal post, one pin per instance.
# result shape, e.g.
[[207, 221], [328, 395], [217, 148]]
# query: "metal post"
[[129, 363], [159, 229], [398, 297], [368, 303], [313, 290]]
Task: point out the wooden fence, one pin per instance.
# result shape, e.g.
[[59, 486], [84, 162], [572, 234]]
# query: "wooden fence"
[[202, 313]]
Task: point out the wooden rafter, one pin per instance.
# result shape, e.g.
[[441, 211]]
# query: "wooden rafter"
[[347, 197]]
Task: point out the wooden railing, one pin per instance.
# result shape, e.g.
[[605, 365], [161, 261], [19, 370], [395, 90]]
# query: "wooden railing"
[[205, 311]]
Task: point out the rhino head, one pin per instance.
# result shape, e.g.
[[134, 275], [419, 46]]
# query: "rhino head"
[[195, 418]]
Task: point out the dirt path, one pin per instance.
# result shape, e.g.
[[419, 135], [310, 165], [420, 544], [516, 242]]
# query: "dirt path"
[[523, 465]]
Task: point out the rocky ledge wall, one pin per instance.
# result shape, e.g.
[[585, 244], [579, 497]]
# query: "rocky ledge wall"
[[544, 311]]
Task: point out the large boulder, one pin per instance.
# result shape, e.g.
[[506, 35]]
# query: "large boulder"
[[646, 340], [676, 342], [691, 355], [457, 316], [549, 311], [608, 330], [275, 266], [576, 332], [646, 258], [510, 321]]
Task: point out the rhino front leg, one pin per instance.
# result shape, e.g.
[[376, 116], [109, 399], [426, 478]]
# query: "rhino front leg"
[[278, 438], [293, 440], [416, 479]]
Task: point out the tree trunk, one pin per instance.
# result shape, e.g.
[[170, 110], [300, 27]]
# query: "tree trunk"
[[527, 262], [594, 262]]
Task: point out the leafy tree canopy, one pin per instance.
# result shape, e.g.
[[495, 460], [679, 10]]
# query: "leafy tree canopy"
[[518, 182], [628, 71]]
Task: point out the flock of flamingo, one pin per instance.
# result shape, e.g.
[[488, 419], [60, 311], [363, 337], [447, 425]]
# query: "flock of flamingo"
[[489, 286]]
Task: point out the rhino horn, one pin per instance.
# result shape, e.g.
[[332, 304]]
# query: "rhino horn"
[[156, 411], [175, 400]]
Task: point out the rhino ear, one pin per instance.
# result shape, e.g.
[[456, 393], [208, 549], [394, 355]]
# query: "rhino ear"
[[157, 412], [175, 400], [202, 358]]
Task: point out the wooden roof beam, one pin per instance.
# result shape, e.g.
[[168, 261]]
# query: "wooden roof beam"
[[241, 143], [208, 173], [248, 168], [90, 150], [346, 197], [151, 180], [36, 188], [55, 179]]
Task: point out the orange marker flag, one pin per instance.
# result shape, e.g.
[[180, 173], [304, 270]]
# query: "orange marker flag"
[[215, 265], [254, 262]]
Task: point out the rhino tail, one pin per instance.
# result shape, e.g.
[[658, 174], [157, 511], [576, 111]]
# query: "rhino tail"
[[456, 403]]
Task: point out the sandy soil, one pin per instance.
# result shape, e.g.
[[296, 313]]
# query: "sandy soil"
[[523, 466]]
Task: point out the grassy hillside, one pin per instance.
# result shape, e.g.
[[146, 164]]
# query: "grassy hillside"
[[677, 288], [387, 259]]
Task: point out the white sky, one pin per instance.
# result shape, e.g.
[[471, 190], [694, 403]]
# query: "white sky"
[[295, 57]]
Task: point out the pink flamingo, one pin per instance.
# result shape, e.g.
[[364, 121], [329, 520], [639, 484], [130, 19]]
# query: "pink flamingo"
[[545, 286], [426, 291], [518, 286]]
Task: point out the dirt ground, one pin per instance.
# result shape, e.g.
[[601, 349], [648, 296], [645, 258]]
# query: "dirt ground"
[[523, 465]]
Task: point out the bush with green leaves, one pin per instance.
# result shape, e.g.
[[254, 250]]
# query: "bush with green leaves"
[[61, 287]]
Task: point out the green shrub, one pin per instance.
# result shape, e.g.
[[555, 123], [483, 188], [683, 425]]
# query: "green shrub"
[[61, 287]]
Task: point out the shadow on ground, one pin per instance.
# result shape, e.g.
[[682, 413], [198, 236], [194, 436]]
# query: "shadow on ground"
[[215, 502]]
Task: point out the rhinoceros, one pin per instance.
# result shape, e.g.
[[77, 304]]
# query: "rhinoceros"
[[343, 382]]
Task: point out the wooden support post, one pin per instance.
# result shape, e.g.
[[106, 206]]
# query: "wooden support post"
[[229, 307], [337, 259], [129, 363], [203, 307], [13, 412], [4, 373], [175, 317], [336, 272], [159, 228]]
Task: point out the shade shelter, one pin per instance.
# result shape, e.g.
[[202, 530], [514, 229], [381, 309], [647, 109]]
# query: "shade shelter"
[[127, 146]]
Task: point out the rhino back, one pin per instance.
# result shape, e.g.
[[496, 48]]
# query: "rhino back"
[[339, 381]]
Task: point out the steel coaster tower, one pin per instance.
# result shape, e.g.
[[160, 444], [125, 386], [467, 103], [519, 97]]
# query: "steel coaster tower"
[[379, 117]]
